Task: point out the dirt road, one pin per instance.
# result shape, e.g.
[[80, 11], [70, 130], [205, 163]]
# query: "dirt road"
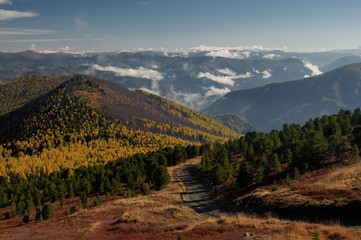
[[194, 193]]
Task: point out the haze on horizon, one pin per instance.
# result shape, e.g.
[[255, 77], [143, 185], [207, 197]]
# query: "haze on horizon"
[[113, 25]]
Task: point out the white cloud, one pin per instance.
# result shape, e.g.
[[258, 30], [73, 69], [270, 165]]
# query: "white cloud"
[[246, 54], [191, 100], [256, 71], [313, 68], [266, 74], [224, 53], [7, 15], [22, 31], [140, 72], [269, 56], [65, 49], [6, 2], [246, 75], [217, 91], [203, 48], [220, 79], [228, 80], [227, 71]]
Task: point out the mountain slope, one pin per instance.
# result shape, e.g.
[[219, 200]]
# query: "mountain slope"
[[273, 105], [24, 89], [342, 62], [61, 130], [148, 112], [234, 122]]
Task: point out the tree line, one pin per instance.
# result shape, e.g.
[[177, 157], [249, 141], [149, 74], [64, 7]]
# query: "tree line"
[[284, 154]]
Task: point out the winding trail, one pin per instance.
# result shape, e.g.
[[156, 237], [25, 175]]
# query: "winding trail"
[[194, 193]]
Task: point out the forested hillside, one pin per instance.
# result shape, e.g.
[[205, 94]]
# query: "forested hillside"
[[148, 112], [293, 150], [61, 130], [24, 89], [276, 158], [60, 145]]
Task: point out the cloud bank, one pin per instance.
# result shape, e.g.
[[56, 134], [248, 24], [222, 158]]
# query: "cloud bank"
[[313, 68], [269, 56], [266, 74], [224, 53], [140, 72], [6, 15], [217, 91], [228, 79], [220, 79]]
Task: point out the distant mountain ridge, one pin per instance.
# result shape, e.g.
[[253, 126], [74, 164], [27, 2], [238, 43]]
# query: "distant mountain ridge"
[[193, 80], [271, 106]]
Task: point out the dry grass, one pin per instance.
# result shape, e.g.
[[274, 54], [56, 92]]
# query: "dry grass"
[[322, 187], [347, 177], [274, 228]]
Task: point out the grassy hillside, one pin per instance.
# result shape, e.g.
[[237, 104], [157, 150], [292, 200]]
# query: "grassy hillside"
[[271, 106]]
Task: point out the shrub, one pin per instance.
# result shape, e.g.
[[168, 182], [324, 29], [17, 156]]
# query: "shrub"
[[48, 211], [180, 237], [145, 189], [84, 198], [98, 201], [38, 215], [26, 218], [80, 204], [72, 209], [316, 235], [296, 172], [7, 214]]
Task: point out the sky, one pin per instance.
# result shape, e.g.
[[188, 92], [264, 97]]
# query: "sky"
[[117, 25]]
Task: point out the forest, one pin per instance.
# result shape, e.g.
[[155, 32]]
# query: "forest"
[[280, 156], [59, 132], [123, 177]]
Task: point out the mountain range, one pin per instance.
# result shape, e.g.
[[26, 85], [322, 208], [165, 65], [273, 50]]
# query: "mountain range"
[[194, 78], [270, 106]]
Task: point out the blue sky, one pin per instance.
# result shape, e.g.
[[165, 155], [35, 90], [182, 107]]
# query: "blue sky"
[[111, 25]]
